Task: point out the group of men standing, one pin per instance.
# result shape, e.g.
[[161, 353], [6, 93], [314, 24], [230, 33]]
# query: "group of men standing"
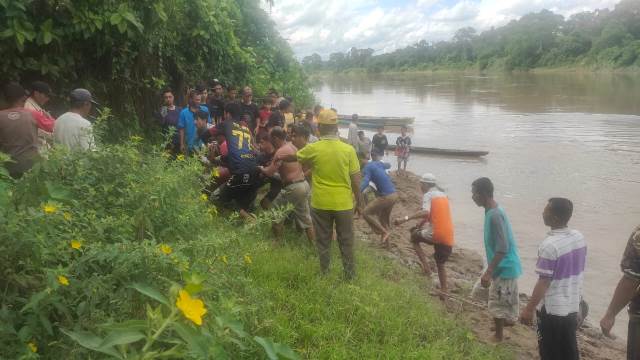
[[27, 130]]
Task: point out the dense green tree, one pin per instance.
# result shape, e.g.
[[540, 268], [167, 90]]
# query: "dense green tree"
[[126, 50], [608, 38]]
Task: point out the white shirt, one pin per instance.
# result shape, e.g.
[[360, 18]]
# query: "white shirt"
[[73, 131], [561, 257], [352, 138], [431, 194]]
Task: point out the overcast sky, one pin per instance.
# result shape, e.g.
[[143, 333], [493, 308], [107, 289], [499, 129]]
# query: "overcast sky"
[[326, 26]]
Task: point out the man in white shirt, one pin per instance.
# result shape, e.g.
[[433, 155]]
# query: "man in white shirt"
[[72, 129], [352, 138], [556, 295]]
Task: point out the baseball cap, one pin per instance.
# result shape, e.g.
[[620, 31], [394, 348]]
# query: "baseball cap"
[[428, 178], [82, 95], [327, 117], [41, 87]]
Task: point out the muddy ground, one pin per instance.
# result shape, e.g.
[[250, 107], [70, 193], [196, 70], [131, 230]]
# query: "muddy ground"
[[463, 269]]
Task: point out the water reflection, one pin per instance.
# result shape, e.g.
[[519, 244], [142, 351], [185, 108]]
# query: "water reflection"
[[518, 93]]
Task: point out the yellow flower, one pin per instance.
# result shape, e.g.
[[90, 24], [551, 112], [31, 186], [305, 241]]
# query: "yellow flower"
[[75, 244], [63, 280], [49, 208], [247, 259], [180, 157], [204, 197], [193, 309], [67, 215], [166, 249], [224, 259], [33, 347]]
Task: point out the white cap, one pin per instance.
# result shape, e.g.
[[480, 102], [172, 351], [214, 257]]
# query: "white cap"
[[428, 178]]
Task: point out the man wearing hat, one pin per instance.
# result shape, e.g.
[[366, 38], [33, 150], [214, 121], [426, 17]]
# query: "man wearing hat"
[[72, 129], [336, 179], [435, 227]]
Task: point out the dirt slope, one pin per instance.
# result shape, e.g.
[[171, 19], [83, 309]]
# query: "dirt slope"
[[463, 269]]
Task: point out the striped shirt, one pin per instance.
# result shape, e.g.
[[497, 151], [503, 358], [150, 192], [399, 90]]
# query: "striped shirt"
[[561, 257]]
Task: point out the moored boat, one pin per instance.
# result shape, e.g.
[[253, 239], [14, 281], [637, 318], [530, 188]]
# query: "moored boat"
[[375, 121], [444, 152]]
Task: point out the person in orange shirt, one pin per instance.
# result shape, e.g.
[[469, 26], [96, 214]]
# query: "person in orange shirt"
[[436, 228]]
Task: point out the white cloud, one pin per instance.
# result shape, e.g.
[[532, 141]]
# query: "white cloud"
[[326, 26]]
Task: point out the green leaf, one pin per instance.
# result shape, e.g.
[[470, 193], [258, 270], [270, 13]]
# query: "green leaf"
[[7, 33], [57, 192], [91, 342], [122, 26], [150, 292], [198, 344], [121, 338], [115, 19], [47, 37], [129, 325], [286, 351], [274, 349]]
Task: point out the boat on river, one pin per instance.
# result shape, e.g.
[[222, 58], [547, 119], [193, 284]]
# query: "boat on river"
[[444, 152], [372, 122]]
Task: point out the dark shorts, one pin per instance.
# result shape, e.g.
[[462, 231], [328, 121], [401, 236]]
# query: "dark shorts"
[[441, 252], [557, 336], [240, 189]]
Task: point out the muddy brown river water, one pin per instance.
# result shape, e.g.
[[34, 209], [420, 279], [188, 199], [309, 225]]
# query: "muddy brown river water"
[[570, 135]]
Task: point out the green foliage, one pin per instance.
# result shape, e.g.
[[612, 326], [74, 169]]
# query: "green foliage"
[[99, 248], [601, 38], [125, 51], [95, 247]]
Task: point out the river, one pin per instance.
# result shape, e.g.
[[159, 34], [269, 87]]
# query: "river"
[[549, 135]]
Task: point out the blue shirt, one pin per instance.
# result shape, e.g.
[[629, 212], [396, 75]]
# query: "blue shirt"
[[375, 172], [187, 121], [498, 238], [241, 157]]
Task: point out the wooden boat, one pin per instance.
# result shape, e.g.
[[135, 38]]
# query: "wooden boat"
[[444, 152], [375, 121]]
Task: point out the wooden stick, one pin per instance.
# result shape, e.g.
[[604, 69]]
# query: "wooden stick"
[[455, 297]]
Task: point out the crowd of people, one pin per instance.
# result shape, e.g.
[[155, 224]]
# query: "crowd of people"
[[304, 165]]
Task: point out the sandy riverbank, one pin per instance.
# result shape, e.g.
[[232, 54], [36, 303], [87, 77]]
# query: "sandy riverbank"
[[463, 269]]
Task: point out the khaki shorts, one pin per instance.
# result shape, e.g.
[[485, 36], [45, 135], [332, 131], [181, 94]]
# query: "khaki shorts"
[[297, 194], [501, 296]]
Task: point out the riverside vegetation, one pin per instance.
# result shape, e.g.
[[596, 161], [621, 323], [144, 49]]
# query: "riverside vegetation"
[[126, 51], [114, 253], [602, 39]]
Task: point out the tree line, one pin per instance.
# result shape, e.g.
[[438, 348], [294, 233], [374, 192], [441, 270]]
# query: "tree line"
[[126, 51], [601, 38]]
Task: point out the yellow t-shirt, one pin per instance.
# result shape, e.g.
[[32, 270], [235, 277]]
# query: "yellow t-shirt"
[[332, 162], [288, 120]]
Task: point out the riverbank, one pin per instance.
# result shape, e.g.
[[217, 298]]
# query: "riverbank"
[[463, 269], [475, 70]]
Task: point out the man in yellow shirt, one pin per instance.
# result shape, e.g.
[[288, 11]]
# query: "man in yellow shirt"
[[336, 176]]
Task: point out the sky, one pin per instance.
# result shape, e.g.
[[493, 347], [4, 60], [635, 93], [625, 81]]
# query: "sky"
[[326, 26]]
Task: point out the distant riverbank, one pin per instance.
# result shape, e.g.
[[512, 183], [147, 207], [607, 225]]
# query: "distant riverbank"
[[474, 70]]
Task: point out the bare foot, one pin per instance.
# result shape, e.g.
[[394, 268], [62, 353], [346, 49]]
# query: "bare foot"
[[385, 239]]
